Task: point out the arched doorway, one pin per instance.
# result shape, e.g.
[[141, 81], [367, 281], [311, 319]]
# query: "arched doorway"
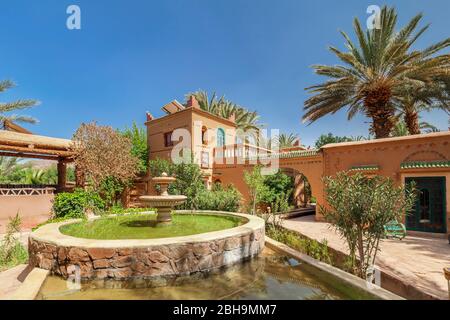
[[302, 192]]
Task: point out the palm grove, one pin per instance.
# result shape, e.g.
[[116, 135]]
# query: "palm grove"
[[383, 77]]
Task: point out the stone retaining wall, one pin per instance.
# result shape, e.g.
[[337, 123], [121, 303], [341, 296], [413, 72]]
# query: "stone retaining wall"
[[124, 259]]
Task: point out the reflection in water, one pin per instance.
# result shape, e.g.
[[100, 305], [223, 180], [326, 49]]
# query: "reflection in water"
[[270, 276]]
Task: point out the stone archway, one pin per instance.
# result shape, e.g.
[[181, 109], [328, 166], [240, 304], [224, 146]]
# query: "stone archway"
[[302, 192]]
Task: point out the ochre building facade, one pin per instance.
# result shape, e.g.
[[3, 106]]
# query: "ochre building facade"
[[423, 158]]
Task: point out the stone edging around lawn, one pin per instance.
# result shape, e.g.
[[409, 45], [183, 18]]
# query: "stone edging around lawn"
[[338, 273], [123, 259]]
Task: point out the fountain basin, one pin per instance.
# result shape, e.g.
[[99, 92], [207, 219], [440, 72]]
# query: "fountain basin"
[[163, 201], [144, 258], [164, 205]]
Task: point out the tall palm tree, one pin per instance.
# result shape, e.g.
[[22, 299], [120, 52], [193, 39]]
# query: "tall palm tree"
[[401, 128], [287, 140], [420, 97], [6, 107], [212, 105], [374, 70], [7, 166], [245, 120]]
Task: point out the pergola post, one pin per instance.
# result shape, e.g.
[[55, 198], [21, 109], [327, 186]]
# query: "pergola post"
[[62, 172], [79, 178]]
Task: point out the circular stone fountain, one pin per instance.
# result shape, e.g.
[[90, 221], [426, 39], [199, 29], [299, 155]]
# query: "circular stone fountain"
[[94, 259], [144, 258], [164, 202]]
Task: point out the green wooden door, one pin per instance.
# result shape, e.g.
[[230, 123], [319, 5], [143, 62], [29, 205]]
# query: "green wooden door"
[[430, 209]]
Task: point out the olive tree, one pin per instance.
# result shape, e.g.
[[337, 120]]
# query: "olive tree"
[[256, 187], [359, 207]]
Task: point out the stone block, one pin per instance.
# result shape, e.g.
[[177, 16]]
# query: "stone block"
[[232, 243], [101, 274], [101, 253], [77, 254], [62, 254], [122, 261], [121, 273], [161, 269], [125, 251], [156, 256], [202, 249], [205, 263], [86, 270], [101, 264]]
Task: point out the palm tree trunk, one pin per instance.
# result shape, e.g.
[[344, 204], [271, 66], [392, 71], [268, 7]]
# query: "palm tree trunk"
[[412, 122], [379, 110]]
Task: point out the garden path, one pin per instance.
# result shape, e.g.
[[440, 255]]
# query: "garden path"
[[415, 261]]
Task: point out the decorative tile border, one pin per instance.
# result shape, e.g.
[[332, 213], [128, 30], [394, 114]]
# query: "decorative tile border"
[[365, 168], [425, 164], [287, 155]]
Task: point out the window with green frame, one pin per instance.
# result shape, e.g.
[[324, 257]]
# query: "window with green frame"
[[220, 137]]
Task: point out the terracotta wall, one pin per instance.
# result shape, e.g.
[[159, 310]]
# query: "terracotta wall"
[[33, 209], [158, 127], [212, 125], [310, 166], [388, 154]]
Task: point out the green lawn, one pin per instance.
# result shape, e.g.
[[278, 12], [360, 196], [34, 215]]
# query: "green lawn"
[[139, 226]]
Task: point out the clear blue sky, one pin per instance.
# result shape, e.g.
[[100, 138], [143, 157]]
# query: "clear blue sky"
[[132, 56]]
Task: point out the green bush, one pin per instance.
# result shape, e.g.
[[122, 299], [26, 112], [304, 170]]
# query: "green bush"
[[313, 248], [281, 203], [359, 208], [139, 148], [190, 183], [158, 166], [17, 254], [189, 180], [110, 190], [278, 185], [75, 204], [219, 199], [12, 252]]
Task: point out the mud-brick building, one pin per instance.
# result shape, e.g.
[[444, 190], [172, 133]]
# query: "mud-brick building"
[[423, 158]]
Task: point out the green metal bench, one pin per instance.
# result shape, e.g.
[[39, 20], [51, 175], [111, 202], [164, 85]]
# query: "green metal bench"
[[395, 229]]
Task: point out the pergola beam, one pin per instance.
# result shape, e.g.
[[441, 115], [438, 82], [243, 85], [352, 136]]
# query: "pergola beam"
[[31, 156], [25, 145], [25, 140], [36, 151]]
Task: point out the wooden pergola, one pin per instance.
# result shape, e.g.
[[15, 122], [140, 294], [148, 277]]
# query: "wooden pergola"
[[27, 145]]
